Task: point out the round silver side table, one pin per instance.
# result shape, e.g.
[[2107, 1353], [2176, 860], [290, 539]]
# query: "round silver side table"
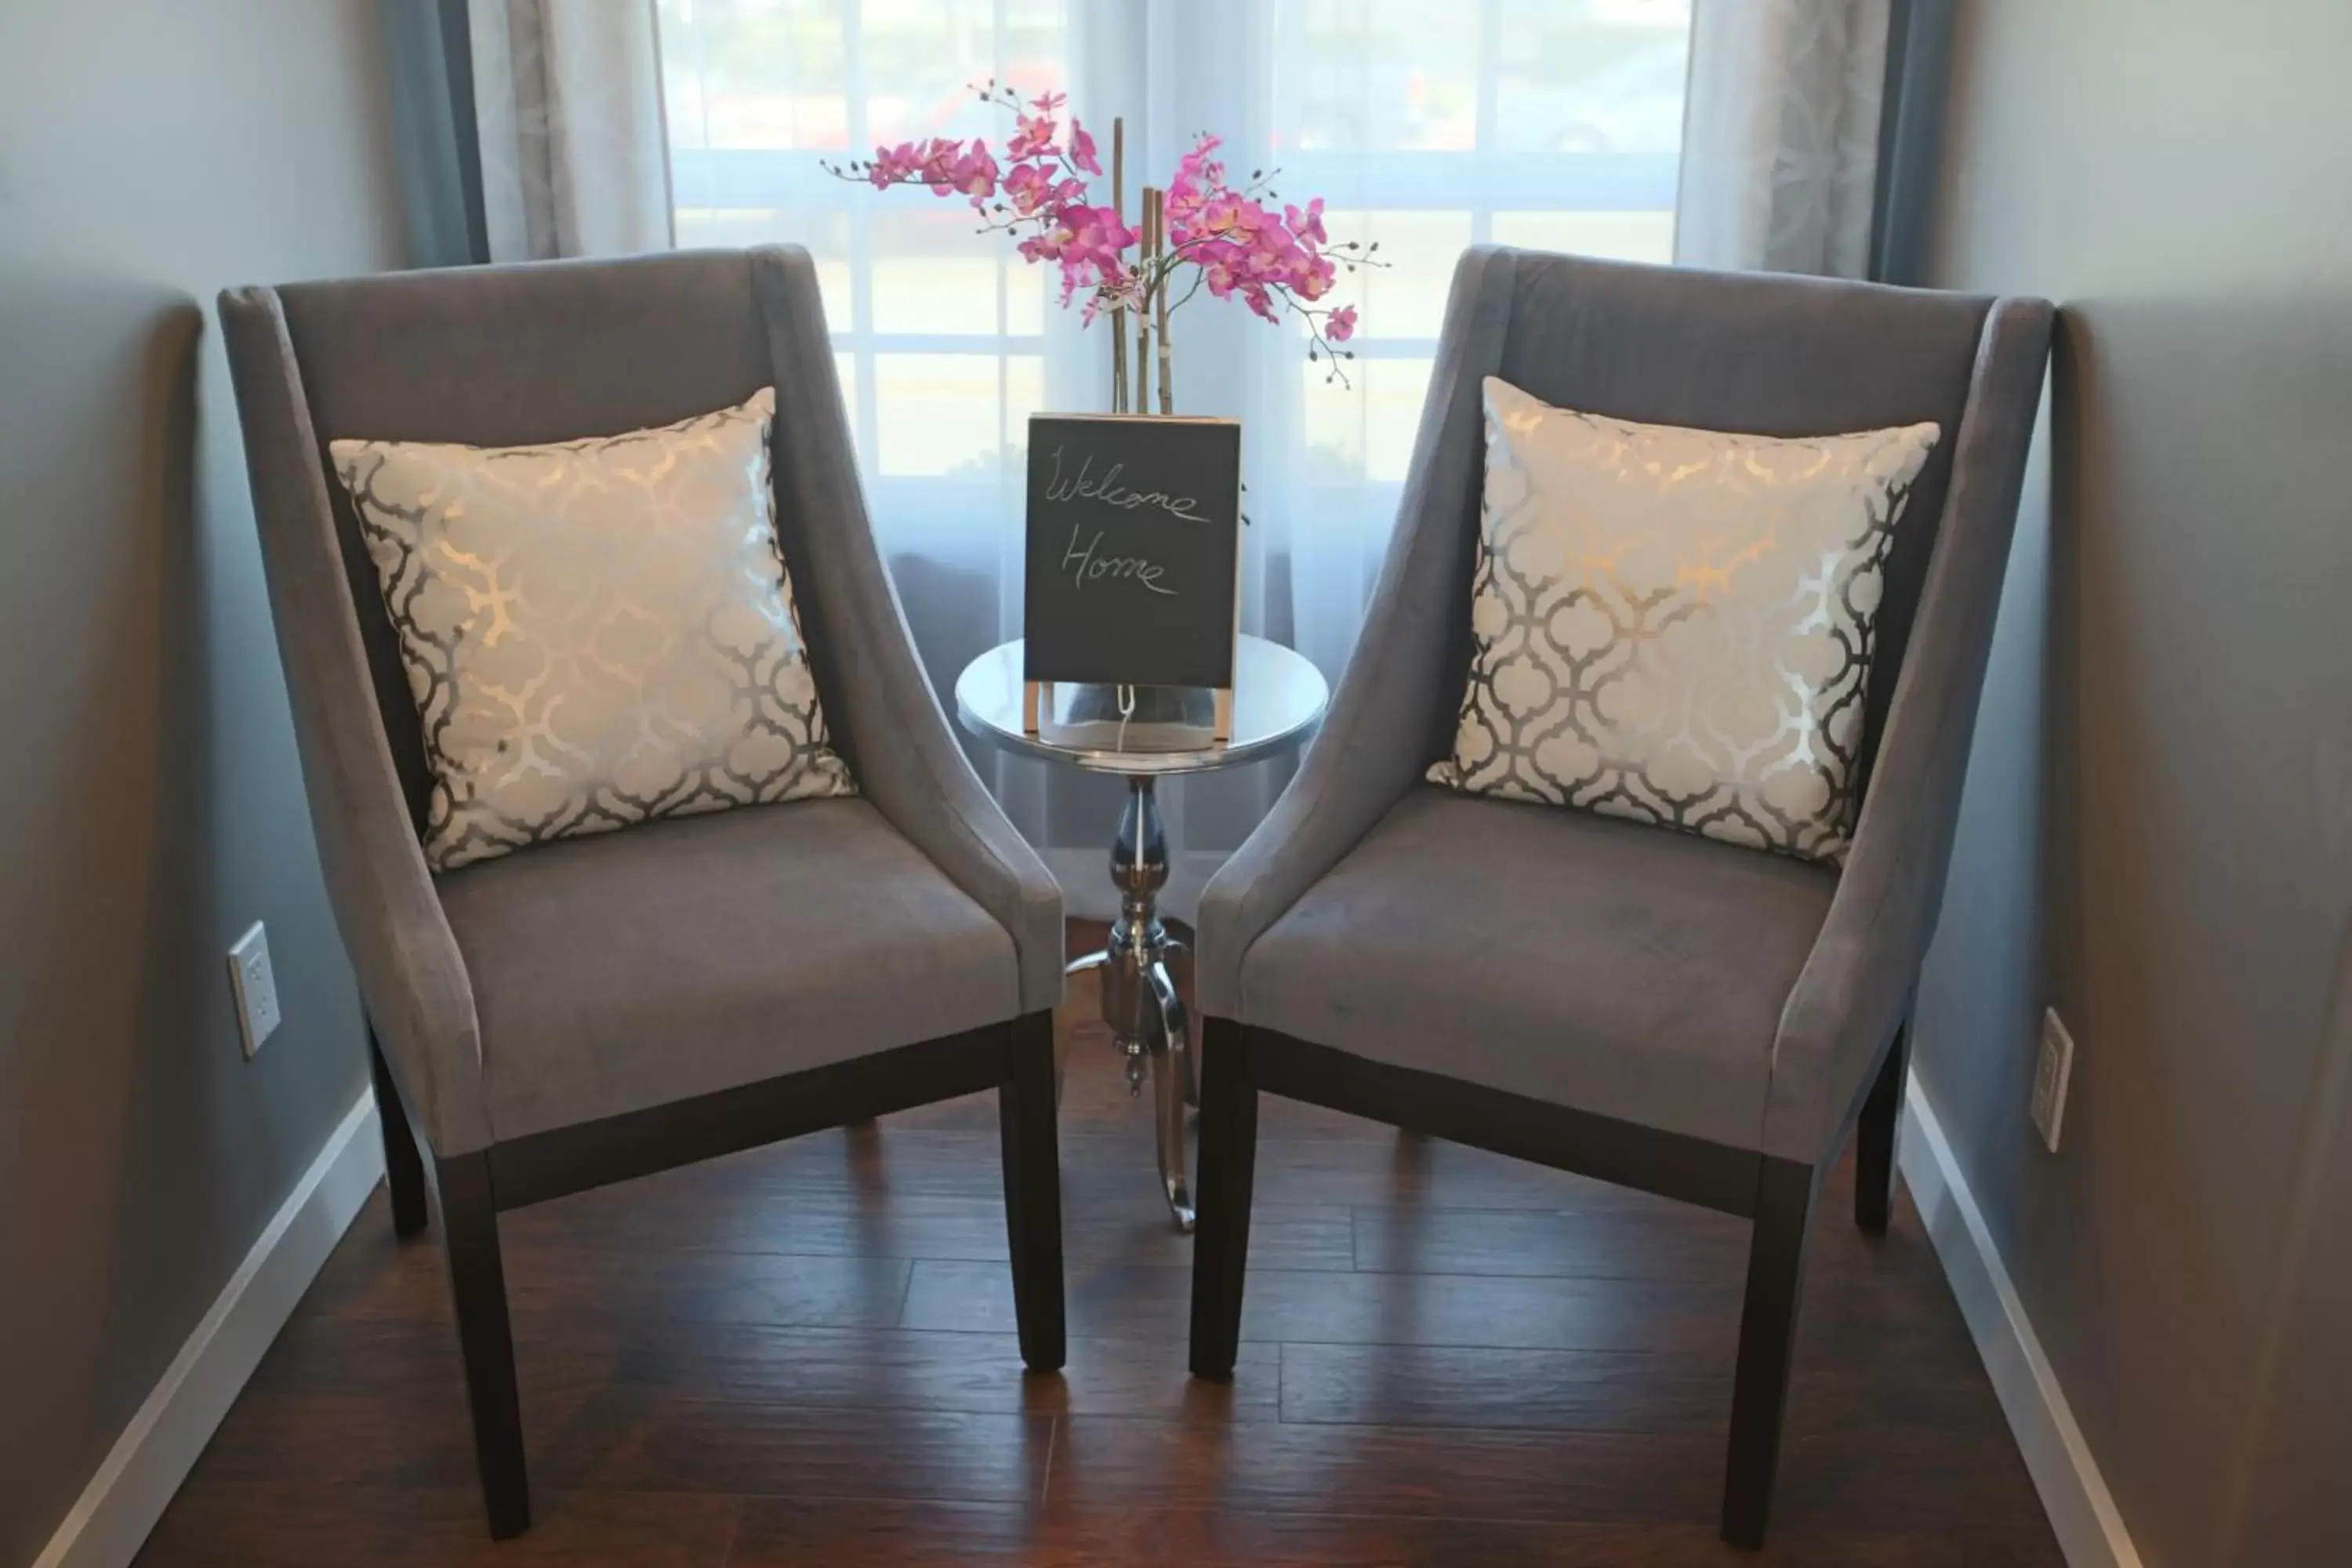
[[1278, 697]]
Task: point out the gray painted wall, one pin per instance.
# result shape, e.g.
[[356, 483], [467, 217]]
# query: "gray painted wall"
[[151, 151], [2157, 834]]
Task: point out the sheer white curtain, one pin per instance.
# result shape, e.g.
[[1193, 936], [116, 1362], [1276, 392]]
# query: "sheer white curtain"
[[1780, 158], [568, 122], [1547, 122]]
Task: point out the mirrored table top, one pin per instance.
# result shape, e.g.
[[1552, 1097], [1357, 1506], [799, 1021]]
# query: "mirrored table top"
[[1278, 698]]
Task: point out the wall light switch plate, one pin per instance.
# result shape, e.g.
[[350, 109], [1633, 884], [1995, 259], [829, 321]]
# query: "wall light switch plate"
[[255, 988], [2053, 1071]]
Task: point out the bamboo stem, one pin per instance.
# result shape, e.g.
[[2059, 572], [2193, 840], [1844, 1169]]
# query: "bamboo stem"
[[1159, 241], [1150, 252], [1118, 315]]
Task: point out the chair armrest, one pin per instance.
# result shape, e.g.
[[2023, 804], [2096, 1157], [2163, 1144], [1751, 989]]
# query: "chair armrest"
[[903, 753], [1851, 994], [1395, 697], [411, 974]]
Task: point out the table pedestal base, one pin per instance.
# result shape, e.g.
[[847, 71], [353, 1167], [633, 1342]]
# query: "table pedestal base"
[[1147, 1018]]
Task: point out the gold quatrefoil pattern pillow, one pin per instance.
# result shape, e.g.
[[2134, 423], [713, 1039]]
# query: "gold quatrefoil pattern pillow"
[[1674, 627], [597, 633]]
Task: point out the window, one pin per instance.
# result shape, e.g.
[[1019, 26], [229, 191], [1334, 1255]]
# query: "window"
[[939, 333], [1548, 123], [1533, 122], [1551, 123]]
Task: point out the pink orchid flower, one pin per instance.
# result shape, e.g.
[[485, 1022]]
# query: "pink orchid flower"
[[1220, 265], [1028, 186], [1098, 232], [1031, 138], [891, 166], [1236, 242], [1233, 216], [974, 173], [1310, 276], [1307, 223], [935, 164]]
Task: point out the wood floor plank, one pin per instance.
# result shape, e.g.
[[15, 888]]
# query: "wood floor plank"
[[245, 1524], [1588, 1243], [882, 1534], [558, 1353], [1388, 1471], [788, 1534], [626, 1439], [1458, 1385], [1357, 1309], [658, 1444], [1120, 1224], [567, 1353], [417, 1437], [1931, 1480], [545, 1274], [1602, 1391]]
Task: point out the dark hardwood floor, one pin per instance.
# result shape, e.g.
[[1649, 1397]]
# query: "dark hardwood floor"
[[804, 1355]]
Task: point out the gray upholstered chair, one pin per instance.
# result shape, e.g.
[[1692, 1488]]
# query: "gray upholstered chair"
[[1656, 1010], [598, 1008]]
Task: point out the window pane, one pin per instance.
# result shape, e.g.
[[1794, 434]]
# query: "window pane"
[[1025, 394], [947, 414], [1598, 78], [1553, 124], [1405, 296], [1618, 236], [1364, 432], [826, 234], [1025, 294], [932, 273], [1379, 74], [755, 73], [1376, 75], [758, 90]]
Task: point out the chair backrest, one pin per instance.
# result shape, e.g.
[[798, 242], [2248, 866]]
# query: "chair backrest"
[[1762, 353], [497, 356]]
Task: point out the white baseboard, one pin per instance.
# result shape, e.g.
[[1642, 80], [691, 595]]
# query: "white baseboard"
[[2082, 1512], [1088, 893], [109, 1521]]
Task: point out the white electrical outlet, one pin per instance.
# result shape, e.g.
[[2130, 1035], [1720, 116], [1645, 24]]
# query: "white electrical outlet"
[[255, 988], [2053, 1071]]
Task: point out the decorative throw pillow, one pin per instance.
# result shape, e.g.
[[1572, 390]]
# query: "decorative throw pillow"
[[597, 633], [1674, 625]]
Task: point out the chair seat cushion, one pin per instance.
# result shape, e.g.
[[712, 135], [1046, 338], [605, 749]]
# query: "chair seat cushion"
[[1560, 956], [702, 954]]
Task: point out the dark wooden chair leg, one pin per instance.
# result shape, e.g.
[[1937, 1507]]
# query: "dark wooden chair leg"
[[1767, 1333], [1033, 1189], [403, 1168], [1873, 1141], [469, 1226], [1228, 1167]]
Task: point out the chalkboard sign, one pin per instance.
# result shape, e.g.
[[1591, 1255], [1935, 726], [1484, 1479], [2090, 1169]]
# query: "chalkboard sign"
[[1134, 538]]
